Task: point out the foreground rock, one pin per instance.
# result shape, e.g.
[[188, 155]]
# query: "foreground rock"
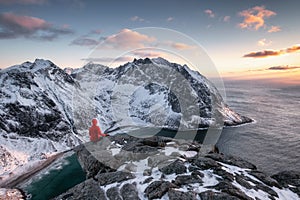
[[124, 167], [11, 194]]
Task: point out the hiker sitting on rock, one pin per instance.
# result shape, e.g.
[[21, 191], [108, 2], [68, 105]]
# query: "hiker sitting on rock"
[[95, 131]]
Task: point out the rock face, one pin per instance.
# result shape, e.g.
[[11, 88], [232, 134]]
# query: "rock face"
[[175, 170], [45, 109]]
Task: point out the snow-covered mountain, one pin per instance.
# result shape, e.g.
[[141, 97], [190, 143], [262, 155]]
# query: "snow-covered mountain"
[[44, 109]]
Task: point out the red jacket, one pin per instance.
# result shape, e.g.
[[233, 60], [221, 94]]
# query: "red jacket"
[[95, 132]]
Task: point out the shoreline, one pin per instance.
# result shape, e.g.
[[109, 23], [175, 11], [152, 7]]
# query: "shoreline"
[[15, 181]]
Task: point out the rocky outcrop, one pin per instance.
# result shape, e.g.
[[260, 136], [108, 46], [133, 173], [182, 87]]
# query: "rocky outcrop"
[[175, 170], [289, 179], [11, 194]]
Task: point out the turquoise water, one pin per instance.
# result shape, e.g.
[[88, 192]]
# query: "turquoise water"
[[57, 180]]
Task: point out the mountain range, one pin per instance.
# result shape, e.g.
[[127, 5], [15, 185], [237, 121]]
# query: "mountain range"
[[45, 109]]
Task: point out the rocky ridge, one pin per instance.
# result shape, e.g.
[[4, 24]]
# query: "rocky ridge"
[[124, 167]]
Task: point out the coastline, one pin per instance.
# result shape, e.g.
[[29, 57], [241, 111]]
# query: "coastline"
[[14, 181]]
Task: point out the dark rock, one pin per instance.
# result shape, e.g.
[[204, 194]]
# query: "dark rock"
[[157, 189], [241, 180], [231, 160], [123, 139], [286, 178], [225, 175], [197, 174], [210, 195], [193, 168], [155, 141], [88, 189], [113, 177], [228, 188], [138, 147], [187, 179], [266, 189], [129, 192], [206, 163], [113, 194], [148, 180], [89, 163], [264, 178], [289, 179], [178, 195], [176, 167]]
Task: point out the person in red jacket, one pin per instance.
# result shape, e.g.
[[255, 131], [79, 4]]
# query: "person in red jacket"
[[95, 131]]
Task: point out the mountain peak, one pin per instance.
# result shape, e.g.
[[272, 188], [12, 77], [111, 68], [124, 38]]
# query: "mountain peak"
[[142, 61], [161, 61]]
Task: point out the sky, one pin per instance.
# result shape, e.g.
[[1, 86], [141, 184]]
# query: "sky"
[[237, 39]]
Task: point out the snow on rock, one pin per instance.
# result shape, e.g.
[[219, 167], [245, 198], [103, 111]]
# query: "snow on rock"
[[148, 169], [44, 109], [11, 194]]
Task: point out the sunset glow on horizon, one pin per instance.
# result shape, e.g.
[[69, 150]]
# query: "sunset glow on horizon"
[[246, 40]]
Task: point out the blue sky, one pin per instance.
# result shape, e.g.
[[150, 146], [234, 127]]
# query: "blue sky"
[[242, 37]]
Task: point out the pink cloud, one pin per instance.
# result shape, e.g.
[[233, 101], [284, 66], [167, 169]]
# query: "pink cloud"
[[26, 22], [263, 54], [267, 53], [210, 13], [226, 19], [254, 18], [264, 42], [127, 38], [283, 67], [181, 46], [274, 29], [14, 26], [293, 49]]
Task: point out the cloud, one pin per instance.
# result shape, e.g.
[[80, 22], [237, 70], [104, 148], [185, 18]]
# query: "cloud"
[[274, 29], [24, 2], [96, 31], [210, 13], [83, 41], [293, 49], [181, 46], [267, 53], [226, 19], [16, 26], [263, 54], [127, 38], [283, 68], [170, 19], [254, 18], [264, 42], [137, 18], [109, 59], [148, 54]]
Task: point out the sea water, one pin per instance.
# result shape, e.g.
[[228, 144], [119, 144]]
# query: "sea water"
[[272, 143], [56, 179]]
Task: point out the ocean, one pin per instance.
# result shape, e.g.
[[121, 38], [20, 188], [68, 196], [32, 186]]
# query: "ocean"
[[272, 143]]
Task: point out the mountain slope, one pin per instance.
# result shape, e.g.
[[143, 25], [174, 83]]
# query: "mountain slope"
[[44, 109]]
